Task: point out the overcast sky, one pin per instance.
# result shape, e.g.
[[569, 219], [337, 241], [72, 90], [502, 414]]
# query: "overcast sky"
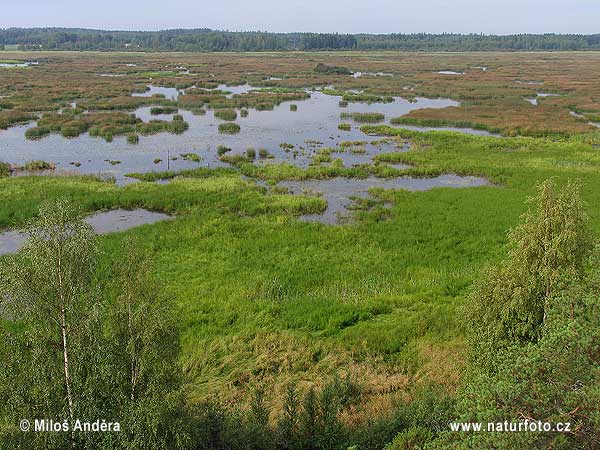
[[344, 16]]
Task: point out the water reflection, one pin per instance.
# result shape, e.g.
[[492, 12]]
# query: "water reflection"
[[103, 223], [338, 191], [316, 119]]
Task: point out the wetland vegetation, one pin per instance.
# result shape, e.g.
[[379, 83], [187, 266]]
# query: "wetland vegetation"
[[275, 321]]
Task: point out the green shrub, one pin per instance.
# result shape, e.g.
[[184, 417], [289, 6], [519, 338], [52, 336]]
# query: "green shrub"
[[229, 128], [364, 117], [226, 114], [38, 165], [332, 70], [155, 111], [410, 439], [37, 133], [73, 129], [191, 157], [221, 150], [178, 126]]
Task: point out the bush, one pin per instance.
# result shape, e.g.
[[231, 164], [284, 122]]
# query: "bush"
[[229, 128], [221, 150], [508, 304], [364, 117], [191, 157], [332, 70], [412, 438], [251, 153], [155, 111], [226, 114], [178, 126], [38, 165], [133, 138], [37, 133], [71, 131]]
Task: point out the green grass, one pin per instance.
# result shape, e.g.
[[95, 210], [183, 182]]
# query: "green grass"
[[191, 157], [229, 128], [157, 110], [227, 114], [363, 117], [263, 296]]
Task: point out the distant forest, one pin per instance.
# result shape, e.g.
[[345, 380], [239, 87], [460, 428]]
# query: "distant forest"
[[206, 40]]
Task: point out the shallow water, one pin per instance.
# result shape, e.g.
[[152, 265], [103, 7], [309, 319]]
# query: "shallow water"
[[338, 191], [472, 131], [169, 93], [103, 222], [581, 116], [317, 119], [450, 72], [534, 101], [25, 64], [529, 82], [372, 74]]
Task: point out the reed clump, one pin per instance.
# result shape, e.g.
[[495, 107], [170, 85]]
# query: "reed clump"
[[229, 128]]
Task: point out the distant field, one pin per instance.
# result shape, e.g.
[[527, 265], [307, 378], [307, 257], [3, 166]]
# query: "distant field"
[[492, 99]]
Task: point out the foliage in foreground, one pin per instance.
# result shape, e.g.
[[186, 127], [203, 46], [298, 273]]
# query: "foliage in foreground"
[[83, 342], [548, 250], [313, 421], [555, 380], [551, 374], [535, 322]]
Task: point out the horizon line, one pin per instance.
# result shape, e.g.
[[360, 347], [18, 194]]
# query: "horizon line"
[[163, 30]]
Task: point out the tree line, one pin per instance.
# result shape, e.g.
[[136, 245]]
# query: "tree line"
[[207, 40]]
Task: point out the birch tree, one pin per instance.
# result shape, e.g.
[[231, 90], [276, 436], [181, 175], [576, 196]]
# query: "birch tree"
[[46, 290]]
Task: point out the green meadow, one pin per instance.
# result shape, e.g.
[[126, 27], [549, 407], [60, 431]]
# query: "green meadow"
[[264, 299]]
